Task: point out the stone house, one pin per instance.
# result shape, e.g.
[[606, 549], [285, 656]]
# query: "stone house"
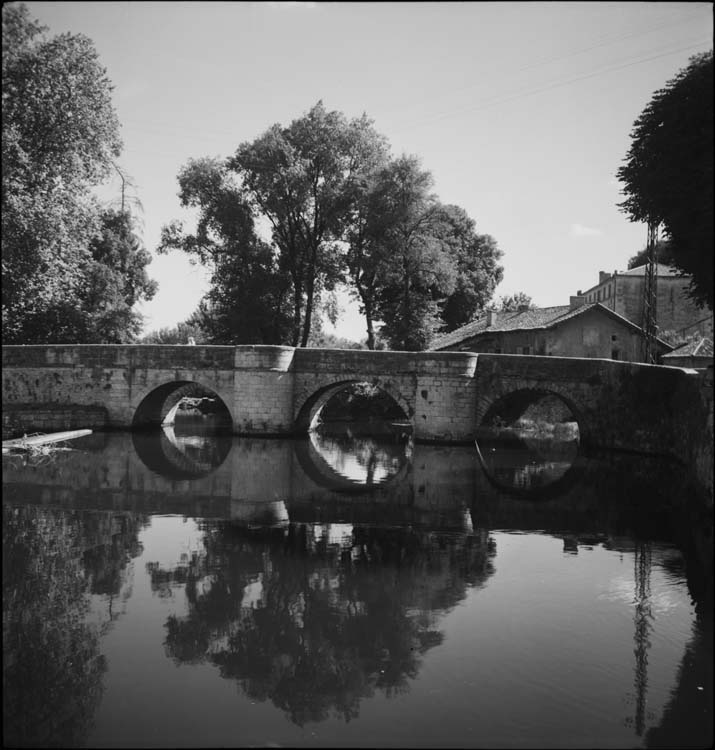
[[578, 329], [697, 354], [622, 292]]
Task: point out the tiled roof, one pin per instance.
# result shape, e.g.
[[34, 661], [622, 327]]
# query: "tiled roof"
[[660, 269], [697, 348], [503, 321], [537, 318]]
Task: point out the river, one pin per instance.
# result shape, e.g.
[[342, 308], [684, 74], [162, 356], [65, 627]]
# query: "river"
[[189, 590]]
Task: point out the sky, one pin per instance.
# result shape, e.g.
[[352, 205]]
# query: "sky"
[[521, 111]]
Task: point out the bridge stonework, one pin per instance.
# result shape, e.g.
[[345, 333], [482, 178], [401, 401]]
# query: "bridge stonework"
[[277, 390]]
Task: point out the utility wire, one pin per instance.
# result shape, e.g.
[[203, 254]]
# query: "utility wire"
[[547, 87], [603, 42]]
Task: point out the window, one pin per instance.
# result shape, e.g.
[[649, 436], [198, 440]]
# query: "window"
[[599, 295], [614, 353], [614, 337]]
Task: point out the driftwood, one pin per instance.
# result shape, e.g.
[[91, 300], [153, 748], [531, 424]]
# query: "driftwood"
[[30, 442]]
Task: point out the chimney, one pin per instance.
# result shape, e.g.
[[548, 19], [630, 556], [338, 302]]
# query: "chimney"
[[490, 318], [577, 301], [603, 276]]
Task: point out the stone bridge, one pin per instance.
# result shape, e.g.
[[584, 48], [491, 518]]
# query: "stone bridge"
[[276, 390]]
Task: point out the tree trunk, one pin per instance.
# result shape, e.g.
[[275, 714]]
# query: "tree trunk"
[[367, 304], [308, 311], [297, 304], [310, 295]]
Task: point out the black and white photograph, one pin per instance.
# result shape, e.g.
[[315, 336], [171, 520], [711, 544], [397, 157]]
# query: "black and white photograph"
[[357, 374]]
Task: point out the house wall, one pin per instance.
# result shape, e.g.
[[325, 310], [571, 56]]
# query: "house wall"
[[589, 335], [594, 335], [697, 363], [624, 294]]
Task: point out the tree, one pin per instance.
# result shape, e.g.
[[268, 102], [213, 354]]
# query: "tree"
[[296, 178], [478, 272], [668, 172], [249, 297], [663, 254], [178, 334], [513, 302], [416, 271], [59, 136], [115, 280], [416, 264]]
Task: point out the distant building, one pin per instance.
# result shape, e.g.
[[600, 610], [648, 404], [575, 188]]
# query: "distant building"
[[622, 292], [697, 354], [579, 329]]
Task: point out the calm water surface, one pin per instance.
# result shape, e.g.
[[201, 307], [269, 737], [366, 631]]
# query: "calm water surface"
[[179, 590]]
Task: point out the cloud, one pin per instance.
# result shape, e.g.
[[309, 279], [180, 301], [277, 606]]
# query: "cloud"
[[579, 230]]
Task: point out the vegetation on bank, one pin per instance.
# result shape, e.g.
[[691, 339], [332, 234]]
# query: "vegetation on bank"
[[667, 176], [72, 269]]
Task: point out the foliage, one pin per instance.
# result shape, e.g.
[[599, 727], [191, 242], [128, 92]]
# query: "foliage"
[[663, 254], [59, 136], [359, 402], [478, 272], [249, 297], [320, 339], [339, 210], [297, 179], [115, 281], [417, 272], [417, 265], [111, 280], [178, 334], [335, 624], [512, 302], [52, 666], [668, 172]]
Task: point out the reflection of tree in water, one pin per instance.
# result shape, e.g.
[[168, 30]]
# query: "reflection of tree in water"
[[52, 671], [527, 463], [379, 460], [314, 624]]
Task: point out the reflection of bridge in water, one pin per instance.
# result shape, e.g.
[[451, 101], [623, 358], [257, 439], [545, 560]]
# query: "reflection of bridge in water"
[[273, 482], [443, 486]]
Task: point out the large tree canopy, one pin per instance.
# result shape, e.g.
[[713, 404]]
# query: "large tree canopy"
[[59, 136], [249, 299], [297, 178], [337, 210], [668, 172]]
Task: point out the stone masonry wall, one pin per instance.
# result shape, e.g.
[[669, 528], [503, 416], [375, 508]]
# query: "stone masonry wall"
[[274, 390], [24, 419]]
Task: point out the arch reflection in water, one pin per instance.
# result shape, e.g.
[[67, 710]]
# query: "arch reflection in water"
[[345, 463], [181, 456], [529, 467]]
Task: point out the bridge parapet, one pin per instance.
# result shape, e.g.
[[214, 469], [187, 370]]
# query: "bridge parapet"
[[454, 364]]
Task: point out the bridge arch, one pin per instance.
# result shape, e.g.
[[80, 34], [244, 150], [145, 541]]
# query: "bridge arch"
[[160, 404], [307, 411], [510, 405]]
